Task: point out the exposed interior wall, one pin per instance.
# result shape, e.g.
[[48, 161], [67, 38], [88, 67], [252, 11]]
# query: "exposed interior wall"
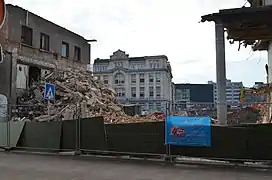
[[34, 74], [27, 74], [44, 72], [22, 76], [24, 63]]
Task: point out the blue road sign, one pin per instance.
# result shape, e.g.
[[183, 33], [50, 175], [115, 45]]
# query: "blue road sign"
[[49, 93]]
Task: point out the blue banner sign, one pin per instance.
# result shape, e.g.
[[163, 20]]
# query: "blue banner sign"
[[188, 131]]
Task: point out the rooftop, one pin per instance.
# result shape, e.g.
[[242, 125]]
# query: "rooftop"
[[121, 55], [15, 6]]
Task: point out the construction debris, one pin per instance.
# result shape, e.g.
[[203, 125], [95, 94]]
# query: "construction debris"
[[78, 94]]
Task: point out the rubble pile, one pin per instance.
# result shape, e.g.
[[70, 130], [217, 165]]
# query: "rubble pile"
[[78, 94], [263, 112], [246, 115]]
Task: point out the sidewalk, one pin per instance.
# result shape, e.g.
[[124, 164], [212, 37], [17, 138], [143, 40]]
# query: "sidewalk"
[[33, 167]]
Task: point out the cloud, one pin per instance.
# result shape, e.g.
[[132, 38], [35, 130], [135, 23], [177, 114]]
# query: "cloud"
[[149, 27]]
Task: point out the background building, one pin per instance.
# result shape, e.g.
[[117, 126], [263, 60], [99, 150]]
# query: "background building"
[[191, 94], [146, 80], [232, 92], [35, 46]]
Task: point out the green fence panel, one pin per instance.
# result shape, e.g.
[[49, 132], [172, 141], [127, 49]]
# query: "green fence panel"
[[3, 134], [16, 129]]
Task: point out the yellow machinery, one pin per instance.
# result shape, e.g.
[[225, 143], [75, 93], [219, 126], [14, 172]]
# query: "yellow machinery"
[[264, 90]]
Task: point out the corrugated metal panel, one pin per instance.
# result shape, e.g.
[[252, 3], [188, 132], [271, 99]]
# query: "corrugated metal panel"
[[22, 76], [3, 134]]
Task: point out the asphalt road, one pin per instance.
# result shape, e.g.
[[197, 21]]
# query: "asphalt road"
[[33, 167]]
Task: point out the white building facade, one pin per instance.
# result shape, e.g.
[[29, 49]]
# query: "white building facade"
[[233, 90], [146, 81]]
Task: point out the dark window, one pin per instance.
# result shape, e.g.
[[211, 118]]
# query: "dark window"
[[133, 92], [44, 42], [55, 56], [142, 92], [142, 78], [151, 91], [158, 91], [27, 34], [65, 49], [119, 78], [105, 78], [133, 78], [77, 53]]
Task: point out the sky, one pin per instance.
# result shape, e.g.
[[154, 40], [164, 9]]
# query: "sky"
[[155, 27]]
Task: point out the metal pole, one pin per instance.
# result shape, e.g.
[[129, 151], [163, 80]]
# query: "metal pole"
[[167, 145], [268, 101], [10, 102], [8, 129], [220, 74], [77, 129], [48, 106]]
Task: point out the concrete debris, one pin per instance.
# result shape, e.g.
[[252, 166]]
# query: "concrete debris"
[[78, 94]]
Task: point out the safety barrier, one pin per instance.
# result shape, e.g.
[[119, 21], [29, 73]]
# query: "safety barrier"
[[93, 136]]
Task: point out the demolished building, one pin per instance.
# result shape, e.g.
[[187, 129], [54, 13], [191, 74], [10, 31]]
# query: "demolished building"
[[78, 95], [33, 48], [38, 51]]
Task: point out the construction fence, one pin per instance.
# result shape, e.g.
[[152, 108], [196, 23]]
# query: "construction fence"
[[24, 131]]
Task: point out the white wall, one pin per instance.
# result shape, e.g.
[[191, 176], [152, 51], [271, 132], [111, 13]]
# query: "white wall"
[[22, 76]]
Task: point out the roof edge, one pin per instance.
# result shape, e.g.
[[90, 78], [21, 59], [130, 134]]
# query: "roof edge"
[[16, 6]]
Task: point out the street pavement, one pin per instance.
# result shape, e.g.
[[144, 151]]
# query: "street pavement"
[[40, 167]]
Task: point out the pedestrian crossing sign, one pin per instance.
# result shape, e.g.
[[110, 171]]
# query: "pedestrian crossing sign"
[[49, 93]]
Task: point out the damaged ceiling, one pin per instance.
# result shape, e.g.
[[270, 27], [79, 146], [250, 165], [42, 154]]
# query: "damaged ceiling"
[[247, 25]]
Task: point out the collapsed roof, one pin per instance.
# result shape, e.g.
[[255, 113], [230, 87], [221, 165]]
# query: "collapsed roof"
[[247, 25]]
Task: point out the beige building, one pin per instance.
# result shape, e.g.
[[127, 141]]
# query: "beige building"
[[146, 80]]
